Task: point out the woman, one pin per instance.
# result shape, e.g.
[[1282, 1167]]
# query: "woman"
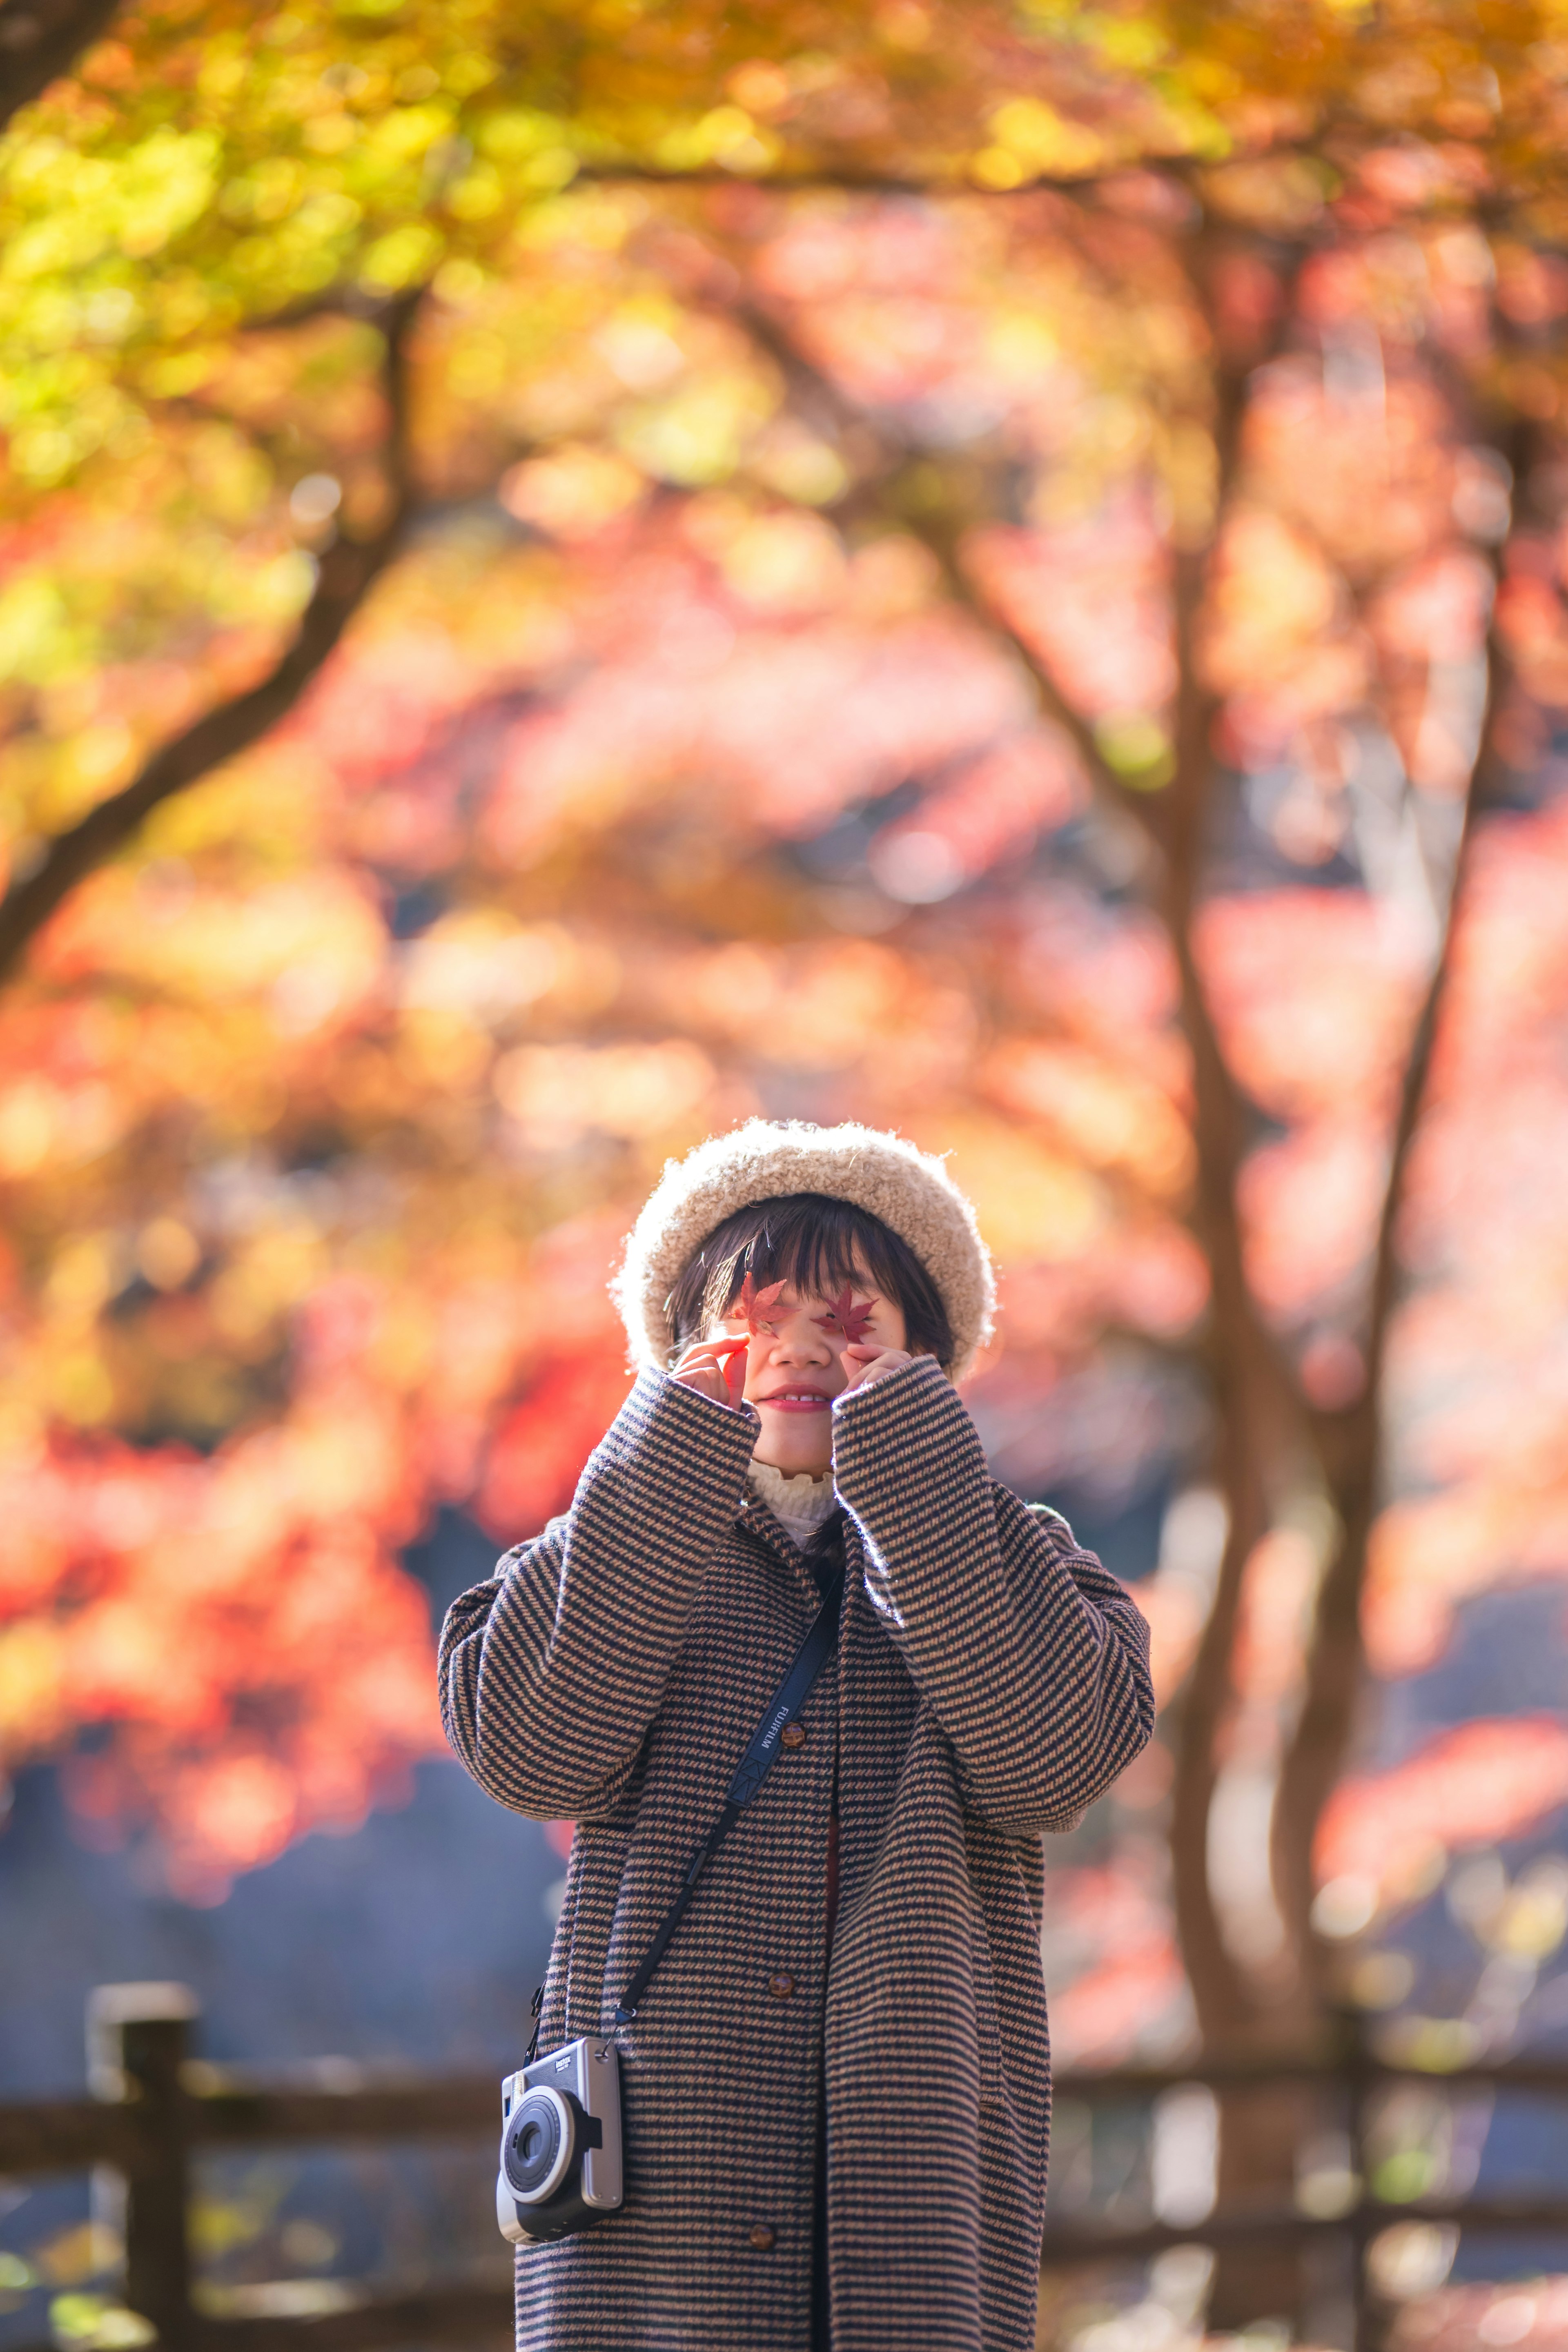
[[836, 2089]]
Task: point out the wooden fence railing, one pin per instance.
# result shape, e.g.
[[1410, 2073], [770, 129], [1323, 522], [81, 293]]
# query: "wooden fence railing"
[[1352, 2077], [154, 2107]]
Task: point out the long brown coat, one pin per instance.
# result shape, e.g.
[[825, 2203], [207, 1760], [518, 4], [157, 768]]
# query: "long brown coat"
[[991, 1681]]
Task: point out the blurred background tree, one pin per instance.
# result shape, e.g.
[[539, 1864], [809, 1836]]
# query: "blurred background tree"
[[574, 573]]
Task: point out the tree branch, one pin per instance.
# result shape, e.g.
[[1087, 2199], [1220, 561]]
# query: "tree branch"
[[1264, 1431], [1352, 1442], [942, 534], [347, 573], [40, 40]]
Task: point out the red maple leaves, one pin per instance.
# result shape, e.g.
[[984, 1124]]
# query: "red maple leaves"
[[756, 1305], [850, 1319], [753, 1305]]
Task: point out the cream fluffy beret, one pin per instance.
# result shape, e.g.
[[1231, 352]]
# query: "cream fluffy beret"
[[907, 1188]]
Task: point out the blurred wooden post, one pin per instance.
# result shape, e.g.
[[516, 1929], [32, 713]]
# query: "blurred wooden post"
[[137, 2043], [1366, 2333]]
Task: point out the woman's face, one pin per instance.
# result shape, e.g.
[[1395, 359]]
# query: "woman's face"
[[794, 1368]]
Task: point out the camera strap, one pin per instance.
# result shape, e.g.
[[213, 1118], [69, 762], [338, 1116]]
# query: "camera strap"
[[791, 1696]]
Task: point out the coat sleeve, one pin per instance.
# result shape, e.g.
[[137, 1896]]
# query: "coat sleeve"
[[551, 1672], [1033, 1660]]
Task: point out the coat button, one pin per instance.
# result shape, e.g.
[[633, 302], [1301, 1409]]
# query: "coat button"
[[781, 1986], [793, 1735], [762, 2238]]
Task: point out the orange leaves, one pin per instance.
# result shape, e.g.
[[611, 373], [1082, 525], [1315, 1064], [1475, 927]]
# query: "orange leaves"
[[1090, 599], [558, 1093], [1116, 1118], [1314, 993], [1112, 1970], [1131, 2000], [241, 1629], [537, 1453], [1478, 1784]]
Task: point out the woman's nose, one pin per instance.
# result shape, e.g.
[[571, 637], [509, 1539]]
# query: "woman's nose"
[[802, 1336]]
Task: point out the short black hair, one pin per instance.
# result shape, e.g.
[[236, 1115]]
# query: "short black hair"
[[818, 1244]]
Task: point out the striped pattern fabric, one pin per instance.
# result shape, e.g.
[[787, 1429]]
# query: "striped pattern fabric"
[[991, 1681]]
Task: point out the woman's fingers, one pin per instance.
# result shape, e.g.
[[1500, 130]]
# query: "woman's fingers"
[[710, 1367], [869, 1362]]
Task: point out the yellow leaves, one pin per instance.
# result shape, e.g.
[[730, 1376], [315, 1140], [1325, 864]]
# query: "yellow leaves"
[[558, 1093], [512, 134], [478, 964], [404, 258], [793, 461], [1274, 593], [639, 347], [282, 587], [480, 193], [1137, 746], [42, 1121], [831, 1002], [572, 493], [134, 204], [1114, 1119], [1022, 345], [1034, 1205], [404, 132], [82, 1277], [310, 946], [266, 1276], [726, 135], [268, 193], [700, 434], [443, 1052], [782, 562], [27, 1126], [1031, 141]]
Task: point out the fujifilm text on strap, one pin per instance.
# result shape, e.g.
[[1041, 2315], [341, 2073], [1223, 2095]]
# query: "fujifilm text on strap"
[[749, 1773]]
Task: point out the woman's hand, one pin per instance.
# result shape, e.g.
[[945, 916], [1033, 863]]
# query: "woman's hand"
[[715, 1369], [866, 1363]]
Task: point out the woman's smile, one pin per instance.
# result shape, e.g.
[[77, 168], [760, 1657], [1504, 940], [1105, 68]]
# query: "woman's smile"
[[795, 1401]]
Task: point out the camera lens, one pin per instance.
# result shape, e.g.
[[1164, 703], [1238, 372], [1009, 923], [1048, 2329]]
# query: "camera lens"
[[537, 2143]]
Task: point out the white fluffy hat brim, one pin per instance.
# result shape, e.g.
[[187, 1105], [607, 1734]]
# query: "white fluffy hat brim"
[[907, 1188]]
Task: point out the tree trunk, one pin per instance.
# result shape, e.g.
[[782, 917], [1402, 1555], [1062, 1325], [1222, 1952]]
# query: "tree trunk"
[[42, 39]]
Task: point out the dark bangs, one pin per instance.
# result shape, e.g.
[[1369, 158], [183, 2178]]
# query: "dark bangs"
[[818, 1245]]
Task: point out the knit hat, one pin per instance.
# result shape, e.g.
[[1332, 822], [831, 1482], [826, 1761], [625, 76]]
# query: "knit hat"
[[907, 1188]]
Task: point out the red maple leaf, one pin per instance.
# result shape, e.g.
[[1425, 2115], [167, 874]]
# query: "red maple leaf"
[[851, 1319], [753, 1305]]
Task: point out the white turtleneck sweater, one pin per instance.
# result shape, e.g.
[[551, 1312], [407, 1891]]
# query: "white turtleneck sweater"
[[800, 1504]]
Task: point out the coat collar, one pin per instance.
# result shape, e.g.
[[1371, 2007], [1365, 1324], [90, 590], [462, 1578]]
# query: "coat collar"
[[754, 1519]]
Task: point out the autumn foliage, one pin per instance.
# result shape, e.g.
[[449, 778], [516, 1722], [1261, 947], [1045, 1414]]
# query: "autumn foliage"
[[990, 572]]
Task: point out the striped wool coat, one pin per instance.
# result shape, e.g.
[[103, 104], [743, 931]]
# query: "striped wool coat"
[[991, 1680]]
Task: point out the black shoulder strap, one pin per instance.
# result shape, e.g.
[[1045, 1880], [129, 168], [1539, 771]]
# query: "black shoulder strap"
[[749, 1773]]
